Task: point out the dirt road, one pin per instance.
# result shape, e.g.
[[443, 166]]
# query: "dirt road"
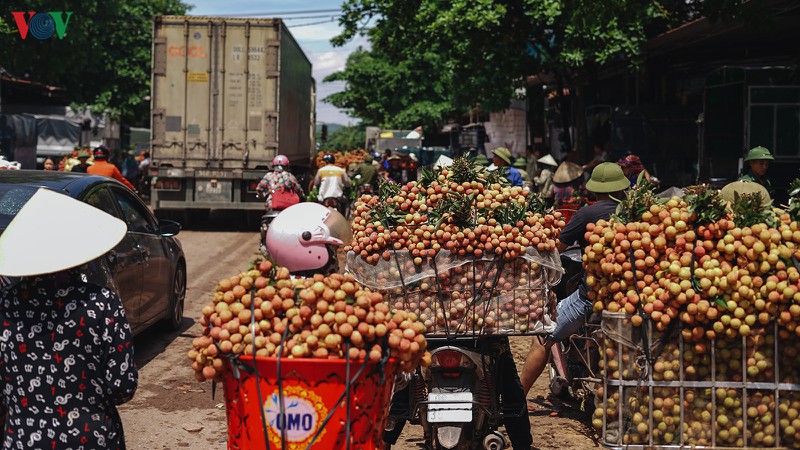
[[172, 411]]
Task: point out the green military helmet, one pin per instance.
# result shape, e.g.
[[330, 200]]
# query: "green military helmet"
[[758, 153], [480, 160], [520, 163]]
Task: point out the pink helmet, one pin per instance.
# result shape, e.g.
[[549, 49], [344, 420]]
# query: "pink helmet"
[[280, 160], [303, 238]]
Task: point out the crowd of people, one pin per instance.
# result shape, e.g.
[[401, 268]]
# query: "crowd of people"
[[130, 171]]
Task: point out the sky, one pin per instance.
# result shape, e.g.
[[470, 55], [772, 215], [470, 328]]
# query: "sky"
[[312, 30]]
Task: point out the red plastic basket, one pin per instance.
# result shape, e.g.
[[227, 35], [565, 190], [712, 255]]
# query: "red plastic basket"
[[568, 210], [312, 388]]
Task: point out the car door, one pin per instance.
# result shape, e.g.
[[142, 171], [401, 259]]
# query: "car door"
[[157, 275], [124, 260]]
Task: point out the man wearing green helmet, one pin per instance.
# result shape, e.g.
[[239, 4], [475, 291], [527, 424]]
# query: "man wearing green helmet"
[[758, 159], [608, 183]]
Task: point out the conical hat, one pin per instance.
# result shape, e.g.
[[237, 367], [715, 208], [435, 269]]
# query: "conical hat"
[[567, 172], [26, 251], [744, 187], [548, 159]]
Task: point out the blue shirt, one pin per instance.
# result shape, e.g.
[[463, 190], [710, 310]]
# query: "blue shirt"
[[514, 177]]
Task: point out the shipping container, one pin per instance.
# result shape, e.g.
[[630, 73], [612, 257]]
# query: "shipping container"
[[227, 95]]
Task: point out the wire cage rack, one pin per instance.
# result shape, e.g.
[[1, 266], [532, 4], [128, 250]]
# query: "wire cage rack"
[[667, 390]]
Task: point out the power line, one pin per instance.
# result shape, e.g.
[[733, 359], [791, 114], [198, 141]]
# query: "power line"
[[284, 13], [312, 17], [310, 24]]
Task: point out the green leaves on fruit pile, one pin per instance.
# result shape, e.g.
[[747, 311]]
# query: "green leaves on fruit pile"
[[706, 203], [751, 209], [638, 199]]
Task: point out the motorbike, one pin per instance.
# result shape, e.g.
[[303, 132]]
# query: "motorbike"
[[574, 365], [455, 398], [336, 203]]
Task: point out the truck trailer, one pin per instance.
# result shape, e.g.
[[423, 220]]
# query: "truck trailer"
[[227, 96]]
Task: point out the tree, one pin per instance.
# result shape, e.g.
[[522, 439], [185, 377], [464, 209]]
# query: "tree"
[[103, 60], [402, 95], [346, 138], [486, 49]]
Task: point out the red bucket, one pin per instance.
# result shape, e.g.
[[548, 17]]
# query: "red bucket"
[[311, 390]]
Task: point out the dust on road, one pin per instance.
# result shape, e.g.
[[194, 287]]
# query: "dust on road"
[[172, 411]]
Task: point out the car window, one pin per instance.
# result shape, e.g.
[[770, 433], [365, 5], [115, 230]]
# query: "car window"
[[12, 198], [136, 216], [101, 199]]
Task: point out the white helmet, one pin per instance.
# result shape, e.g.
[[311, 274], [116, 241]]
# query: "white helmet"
[[304, 237]]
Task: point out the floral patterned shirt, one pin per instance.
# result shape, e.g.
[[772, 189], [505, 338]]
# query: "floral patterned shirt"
[[66, 360], [275, 180]]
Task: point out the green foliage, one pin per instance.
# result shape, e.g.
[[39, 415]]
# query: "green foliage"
[[638, 199], [794, 200], [432, 59], [345, 138], [399, 95], [707, 203], [750, 209], [104, 59]]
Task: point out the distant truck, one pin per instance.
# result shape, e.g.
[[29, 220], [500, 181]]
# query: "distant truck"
[[227, 96], [379, 140]]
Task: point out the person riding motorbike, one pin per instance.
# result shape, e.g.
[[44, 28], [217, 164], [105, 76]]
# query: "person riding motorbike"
[[366, 175], [304, 237], [101, 166], [331, 181], [279, 188], [608, 182]]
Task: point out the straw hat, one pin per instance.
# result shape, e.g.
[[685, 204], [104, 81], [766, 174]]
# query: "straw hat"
[[744, 187], [503, 153], [567, 172], [607, 178], [25, 251], [549, 160]]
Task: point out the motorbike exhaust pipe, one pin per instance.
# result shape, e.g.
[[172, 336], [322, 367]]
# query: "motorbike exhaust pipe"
[[494, 441]]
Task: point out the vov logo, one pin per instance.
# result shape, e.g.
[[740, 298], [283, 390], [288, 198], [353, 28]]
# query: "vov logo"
[[42, 25]]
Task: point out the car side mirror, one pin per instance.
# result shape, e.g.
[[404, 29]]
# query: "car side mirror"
[[169, 227]]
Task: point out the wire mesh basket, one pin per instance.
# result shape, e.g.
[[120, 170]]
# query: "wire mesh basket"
[[467, 296], [670, 391]]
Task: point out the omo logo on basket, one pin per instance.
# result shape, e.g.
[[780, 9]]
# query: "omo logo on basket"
[[302, 416]]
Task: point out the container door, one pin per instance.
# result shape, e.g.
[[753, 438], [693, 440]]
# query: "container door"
[[183, 51], [247, 118]]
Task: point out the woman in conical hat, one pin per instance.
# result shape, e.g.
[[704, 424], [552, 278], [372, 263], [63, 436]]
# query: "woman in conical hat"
[[567, 178], [544, 179], [66, 355]]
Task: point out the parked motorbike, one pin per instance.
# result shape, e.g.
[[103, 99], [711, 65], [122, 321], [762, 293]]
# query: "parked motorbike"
[[455, 399], [574, 364]]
